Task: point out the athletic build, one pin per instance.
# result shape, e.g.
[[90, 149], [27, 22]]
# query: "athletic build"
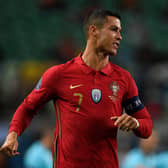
[[89, 94]]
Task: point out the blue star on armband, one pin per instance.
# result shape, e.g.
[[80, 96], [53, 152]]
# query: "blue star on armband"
[[132, 105]]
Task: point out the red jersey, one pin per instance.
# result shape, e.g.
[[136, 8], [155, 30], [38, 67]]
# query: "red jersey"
[[85, 100]]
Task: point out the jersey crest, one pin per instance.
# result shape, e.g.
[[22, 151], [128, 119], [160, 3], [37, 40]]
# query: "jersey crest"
[[96, 95], [115, 87]]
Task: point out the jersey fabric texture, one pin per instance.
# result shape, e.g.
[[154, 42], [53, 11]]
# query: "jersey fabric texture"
[[85, 100], [37, 156]]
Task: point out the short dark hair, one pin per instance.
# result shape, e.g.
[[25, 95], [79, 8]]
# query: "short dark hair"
[[98, 17]]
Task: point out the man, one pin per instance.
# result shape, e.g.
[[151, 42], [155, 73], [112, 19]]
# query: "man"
[[89, 95]]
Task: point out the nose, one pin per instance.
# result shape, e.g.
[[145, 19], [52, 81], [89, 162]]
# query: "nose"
[[119, 37]]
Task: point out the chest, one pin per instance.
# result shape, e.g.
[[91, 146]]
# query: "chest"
[[92, 91]]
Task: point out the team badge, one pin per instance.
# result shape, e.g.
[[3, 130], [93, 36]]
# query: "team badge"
[[96, 95], [115, 87]]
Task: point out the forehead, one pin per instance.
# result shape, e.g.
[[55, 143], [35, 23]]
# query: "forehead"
[[112, 21]]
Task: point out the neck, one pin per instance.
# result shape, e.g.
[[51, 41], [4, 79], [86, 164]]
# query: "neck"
[[95, 59]]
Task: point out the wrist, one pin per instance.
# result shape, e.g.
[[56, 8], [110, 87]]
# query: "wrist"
[[137, 123], [12, 135]]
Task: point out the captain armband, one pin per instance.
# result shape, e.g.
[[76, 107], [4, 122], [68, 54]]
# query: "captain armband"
[[132, 105]]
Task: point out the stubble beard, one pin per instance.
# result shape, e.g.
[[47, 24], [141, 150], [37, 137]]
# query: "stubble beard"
[[105, 52]]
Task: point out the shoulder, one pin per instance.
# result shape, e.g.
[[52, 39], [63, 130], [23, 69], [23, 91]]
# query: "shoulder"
[[120, 71], [58, 69], [53, 70]]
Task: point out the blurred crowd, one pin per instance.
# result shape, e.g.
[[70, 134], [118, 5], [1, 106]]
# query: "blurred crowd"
[[35, 35]]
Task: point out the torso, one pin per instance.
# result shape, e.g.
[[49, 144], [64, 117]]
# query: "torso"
[[86, 101]]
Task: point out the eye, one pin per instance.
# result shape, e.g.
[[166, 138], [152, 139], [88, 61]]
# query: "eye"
[[114, 29]]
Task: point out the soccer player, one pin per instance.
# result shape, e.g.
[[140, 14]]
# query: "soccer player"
[[89, 94]]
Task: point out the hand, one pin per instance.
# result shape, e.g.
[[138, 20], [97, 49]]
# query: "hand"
[[125, 122], [10, 145]]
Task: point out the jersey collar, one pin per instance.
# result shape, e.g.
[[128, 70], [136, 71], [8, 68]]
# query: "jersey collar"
[[107, 70]]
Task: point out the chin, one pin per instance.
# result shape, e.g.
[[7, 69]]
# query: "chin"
[[113, 53]]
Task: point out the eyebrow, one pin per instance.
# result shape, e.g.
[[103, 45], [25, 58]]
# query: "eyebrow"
[[114, 26]]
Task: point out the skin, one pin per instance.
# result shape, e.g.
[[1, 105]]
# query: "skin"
[[101, 43], [10, 145]]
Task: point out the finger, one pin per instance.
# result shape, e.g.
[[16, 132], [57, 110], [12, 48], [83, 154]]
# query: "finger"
[[11, 153], [7, 152], [120, 119], [114, 118], [15, 152], [125, 128], [125, 124], [128, 130], [15, 147], [133, 126], [130, 125]]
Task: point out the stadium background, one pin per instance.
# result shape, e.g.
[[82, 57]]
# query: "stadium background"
[[37, 34]]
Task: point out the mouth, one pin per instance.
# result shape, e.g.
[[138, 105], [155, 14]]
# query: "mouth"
[[116, 44]]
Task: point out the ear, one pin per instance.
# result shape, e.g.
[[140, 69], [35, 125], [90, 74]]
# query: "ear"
[[93, 31]]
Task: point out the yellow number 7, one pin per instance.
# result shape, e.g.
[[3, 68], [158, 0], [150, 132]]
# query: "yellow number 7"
[[80, 100]]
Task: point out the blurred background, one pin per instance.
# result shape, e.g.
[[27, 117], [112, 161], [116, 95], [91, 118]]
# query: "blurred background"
[[37, 34]]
